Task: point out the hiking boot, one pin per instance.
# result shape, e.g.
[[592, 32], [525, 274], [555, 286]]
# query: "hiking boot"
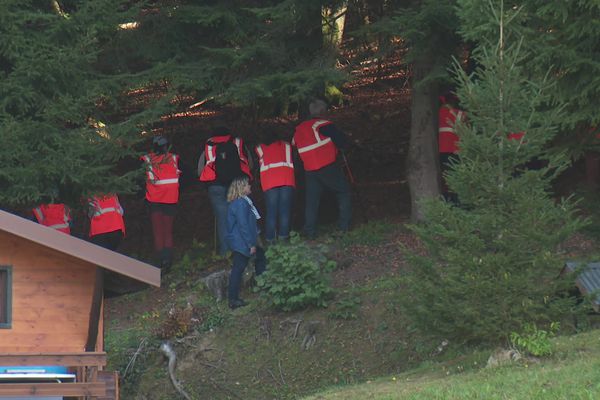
[[237, 304]]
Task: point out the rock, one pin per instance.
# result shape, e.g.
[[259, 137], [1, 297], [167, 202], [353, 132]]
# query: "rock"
[[503, 357], [217, 283]]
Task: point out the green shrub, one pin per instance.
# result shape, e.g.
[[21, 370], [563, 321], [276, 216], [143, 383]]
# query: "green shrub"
[[533, 340], [297, 275], [346, 309]]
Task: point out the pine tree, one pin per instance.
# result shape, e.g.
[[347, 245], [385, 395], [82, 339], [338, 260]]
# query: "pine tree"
[[82, 80], [562, 37], [241, 53], [493, 263], [52, 91]]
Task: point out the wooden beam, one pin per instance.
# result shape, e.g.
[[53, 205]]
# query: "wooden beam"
[[95, 389], [62, 359], [95, 311]]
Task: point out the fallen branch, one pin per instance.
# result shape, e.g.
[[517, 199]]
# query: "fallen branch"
[[281, 372], [168, 351], [133, 358]]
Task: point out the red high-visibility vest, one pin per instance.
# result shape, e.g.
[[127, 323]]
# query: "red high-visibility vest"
[[208, 173], [515, 136], [316, 151], [106, 215], [447, 138], [55, 216], [162, 177], [276, 165]]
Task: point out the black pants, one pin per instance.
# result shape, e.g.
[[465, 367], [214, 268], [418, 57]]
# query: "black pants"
[[108, 240]]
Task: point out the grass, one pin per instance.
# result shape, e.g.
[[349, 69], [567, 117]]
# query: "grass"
[[572, 373], [257, 353], [359, 337]]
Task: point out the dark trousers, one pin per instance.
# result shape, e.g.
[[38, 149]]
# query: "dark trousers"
[[331, 178], [217, 195], [279, 209], [446, 161], [240, 262], [108, 240]]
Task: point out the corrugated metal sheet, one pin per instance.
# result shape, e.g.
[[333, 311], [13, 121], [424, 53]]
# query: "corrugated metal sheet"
[[78, 248], [588, 280]]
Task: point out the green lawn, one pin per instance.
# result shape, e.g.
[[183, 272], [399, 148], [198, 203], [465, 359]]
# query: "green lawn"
[[573, 372]]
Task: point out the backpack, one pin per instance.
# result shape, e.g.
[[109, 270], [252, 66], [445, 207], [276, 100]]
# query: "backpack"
[[227, 162]]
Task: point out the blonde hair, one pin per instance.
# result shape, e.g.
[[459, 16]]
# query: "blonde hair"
[[236, 189]]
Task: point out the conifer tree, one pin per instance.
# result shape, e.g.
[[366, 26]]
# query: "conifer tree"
[[238, 52], [562, 37], [493, 263], [53, 92], [81, 80]]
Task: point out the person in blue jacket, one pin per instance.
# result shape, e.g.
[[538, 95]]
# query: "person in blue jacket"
[[242, 237]]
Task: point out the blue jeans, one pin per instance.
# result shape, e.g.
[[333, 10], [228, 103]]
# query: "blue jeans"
[[217, 195], [279, 207], [330, 177], [240, 262]]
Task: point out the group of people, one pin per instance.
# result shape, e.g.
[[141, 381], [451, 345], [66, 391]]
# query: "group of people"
[[227, 168], [106, 229]]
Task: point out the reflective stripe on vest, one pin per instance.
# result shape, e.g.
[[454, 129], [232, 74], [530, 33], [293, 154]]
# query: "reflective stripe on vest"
[[107, 215], [276, 165], [319, 141], [58, 226], [151, 174], [162, 178], [106, 210], [55, 216], [208, 173], [287, 163], [316, 151]]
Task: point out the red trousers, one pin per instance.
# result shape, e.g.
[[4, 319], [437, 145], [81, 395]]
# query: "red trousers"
[[162, 229]]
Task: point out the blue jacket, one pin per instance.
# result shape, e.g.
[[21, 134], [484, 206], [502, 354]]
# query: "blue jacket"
[[242, 229]]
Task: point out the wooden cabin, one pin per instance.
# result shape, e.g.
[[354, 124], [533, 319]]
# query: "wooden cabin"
[[51, 312]]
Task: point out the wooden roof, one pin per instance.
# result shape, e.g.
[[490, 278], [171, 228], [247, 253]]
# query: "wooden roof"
[[79, 249]]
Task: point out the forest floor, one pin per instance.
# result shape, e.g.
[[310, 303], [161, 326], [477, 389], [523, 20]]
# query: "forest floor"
[[259, 353]]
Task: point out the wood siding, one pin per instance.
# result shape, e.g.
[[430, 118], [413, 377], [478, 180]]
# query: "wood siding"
[[52, 297]]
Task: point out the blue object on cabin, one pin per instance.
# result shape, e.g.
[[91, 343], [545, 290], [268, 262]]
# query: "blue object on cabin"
[[33, 370]]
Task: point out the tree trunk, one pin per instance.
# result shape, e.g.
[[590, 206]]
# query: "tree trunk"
[[334, 21], [423, 175]]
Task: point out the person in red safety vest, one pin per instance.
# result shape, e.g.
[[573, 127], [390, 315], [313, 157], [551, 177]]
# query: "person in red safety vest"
[[162, 196], [223, 159], [277, 181], [54, 215], [318, 142], [107, 227], [448, 141]]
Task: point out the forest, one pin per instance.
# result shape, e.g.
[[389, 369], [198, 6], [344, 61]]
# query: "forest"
[[85, 86]]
